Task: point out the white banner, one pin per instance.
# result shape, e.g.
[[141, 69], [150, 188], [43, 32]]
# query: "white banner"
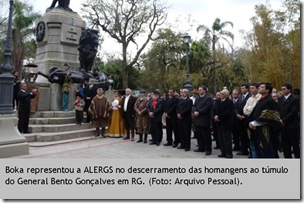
[[150, 179]]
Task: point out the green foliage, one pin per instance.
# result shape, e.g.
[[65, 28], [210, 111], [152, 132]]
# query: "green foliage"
[[274, 45]]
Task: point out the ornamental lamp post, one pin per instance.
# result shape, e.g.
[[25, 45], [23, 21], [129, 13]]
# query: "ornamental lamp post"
[[188, 84], [6, 78]]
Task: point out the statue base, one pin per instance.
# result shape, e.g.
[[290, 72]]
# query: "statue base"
[[12, 143]]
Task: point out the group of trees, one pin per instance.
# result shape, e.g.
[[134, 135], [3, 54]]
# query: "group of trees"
[[23, 42], [271, 52]]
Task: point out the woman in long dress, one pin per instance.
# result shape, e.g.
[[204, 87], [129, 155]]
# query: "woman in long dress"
[[116, 126]]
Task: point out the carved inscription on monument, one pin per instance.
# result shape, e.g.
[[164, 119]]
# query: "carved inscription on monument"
[[70, 34]]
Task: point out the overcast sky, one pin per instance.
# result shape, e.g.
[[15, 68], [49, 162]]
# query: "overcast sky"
[[202, 12]]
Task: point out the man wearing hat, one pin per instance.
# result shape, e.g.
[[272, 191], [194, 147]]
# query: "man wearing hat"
[[142, 121], [156, 110]]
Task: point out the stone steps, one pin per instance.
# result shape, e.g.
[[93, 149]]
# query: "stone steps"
[[54, 126], [54, 120], [56, 136], [58, 128]]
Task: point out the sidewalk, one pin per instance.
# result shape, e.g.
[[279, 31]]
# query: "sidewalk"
[[104, 148]]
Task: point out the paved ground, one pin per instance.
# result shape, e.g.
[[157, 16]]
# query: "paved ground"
[[114, 148]]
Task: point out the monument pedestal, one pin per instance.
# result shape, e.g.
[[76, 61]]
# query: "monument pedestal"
[[12, 143], [58, 34]]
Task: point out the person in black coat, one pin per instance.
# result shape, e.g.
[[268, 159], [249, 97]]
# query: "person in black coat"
[[289, 107], [156, 110], [265, 125], [202, 120], [224, 117], [242, 120], [24, 98], [90, 91], [171, 119], [129, 114], [235, 126], [183, 112]]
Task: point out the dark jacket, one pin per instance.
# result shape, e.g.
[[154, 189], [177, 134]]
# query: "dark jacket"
[[89, 92], [203, 105], [288, 111], [224, 111], [241, 103], [159, 110], [184, 108], [24, 98], [170, 107], [130, 107]]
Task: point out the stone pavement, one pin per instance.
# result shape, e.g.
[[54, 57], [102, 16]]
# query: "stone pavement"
[[93, 147]]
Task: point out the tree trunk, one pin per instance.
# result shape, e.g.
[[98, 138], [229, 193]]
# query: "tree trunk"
[[125, 68]]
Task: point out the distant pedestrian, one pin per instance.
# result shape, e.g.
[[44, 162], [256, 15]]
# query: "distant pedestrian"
[[79, 104]]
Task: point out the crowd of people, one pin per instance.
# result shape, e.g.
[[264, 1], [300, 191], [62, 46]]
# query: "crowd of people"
[[255, 120]]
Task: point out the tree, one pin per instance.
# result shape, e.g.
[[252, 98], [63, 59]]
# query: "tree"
[[212, 37], [126, 21], [273, 47], [22, 35]]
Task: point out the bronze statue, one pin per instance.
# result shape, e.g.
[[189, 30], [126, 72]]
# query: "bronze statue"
[[88, 47], [63, 4]]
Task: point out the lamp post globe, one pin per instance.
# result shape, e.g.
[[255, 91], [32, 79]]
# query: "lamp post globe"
[[188, 84]]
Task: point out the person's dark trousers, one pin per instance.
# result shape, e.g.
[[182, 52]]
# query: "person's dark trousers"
[[23, 121], [79, 116], [157, 131], [169, 130], [88, 118], [215, 133], [236, 135], [185, 130], [290, 140], [173, 124], [204, 139], [244, 136], [15, 101], [225, 141]]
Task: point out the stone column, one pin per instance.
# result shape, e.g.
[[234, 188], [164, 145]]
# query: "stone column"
[[58, 33]]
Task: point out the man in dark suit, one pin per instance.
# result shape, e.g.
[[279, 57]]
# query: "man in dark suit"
[[171, 119], [289, 107], [129, 114], [265, 124], [156, 110], [183, 111], [24, 98], [90, 91], [242, 120], [235, 126], [224, 116], [202, 120]]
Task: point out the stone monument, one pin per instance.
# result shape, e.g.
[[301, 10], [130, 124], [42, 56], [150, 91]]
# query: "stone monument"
[[57, 35]]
